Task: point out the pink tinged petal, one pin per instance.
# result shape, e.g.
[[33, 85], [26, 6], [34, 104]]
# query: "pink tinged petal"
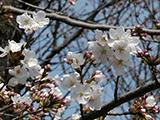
[[150, 100]]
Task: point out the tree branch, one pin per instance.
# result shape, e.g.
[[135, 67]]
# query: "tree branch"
[[140, 91], [80, 23]]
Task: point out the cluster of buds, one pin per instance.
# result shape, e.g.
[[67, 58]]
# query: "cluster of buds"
[[147, 58], [88, 55], [48, 96], [138, 31], [6, 101], [5, 97], [143, 107]]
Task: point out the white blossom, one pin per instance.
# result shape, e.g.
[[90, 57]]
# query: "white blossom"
[[123, 39], [94, 99], [4, 51], [28, 54], [119, 64], [69, 80], [72, 2], [119, 34], [26, 22], [148, 117], [30, 24], [101, 37], [33, 67], [100, 49], [20, 75], [102, 54], [21, 99], [150, 101], [76, 60], [31, 63], [2, 85], [15, 47], [121, 51], [40, 19], [114, 50], [80, 93]]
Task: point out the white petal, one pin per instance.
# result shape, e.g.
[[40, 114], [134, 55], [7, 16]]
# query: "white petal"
[[69, 81], [150, 100], [13, 81]]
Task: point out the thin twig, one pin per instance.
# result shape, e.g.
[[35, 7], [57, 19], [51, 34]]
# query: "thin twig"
[[116, 88], [80, 23], [120, 114], [6, 107]]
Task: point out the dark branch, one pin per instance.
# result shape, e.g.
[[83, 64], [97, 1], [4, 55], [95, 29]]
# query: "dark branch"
[[80, 23], [140, 91]]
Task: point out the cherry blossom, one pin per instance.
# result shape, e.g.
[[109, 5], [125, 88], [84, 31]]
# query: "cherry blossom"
[[102, 54], [13, 47], [101, 37], [40, 19], [30, 24], [122, 42], [80, 93], [20, 76], [119, 34], [31, 63], [69, 80], [120, 50], [119, 64], [99, 76], [76, 60], [4, 51], [21, 99], [150, 101], [94, 98], [111, 48], [73, 2], [26, 22]]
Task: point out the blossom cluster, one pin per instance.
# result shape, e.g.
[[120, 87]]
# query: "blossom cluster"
[[25, 64], [114, 48], [87, 92], [30, 24], [25, 70], [144, 107], [47, 95], [41, 95], [16, 102]]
